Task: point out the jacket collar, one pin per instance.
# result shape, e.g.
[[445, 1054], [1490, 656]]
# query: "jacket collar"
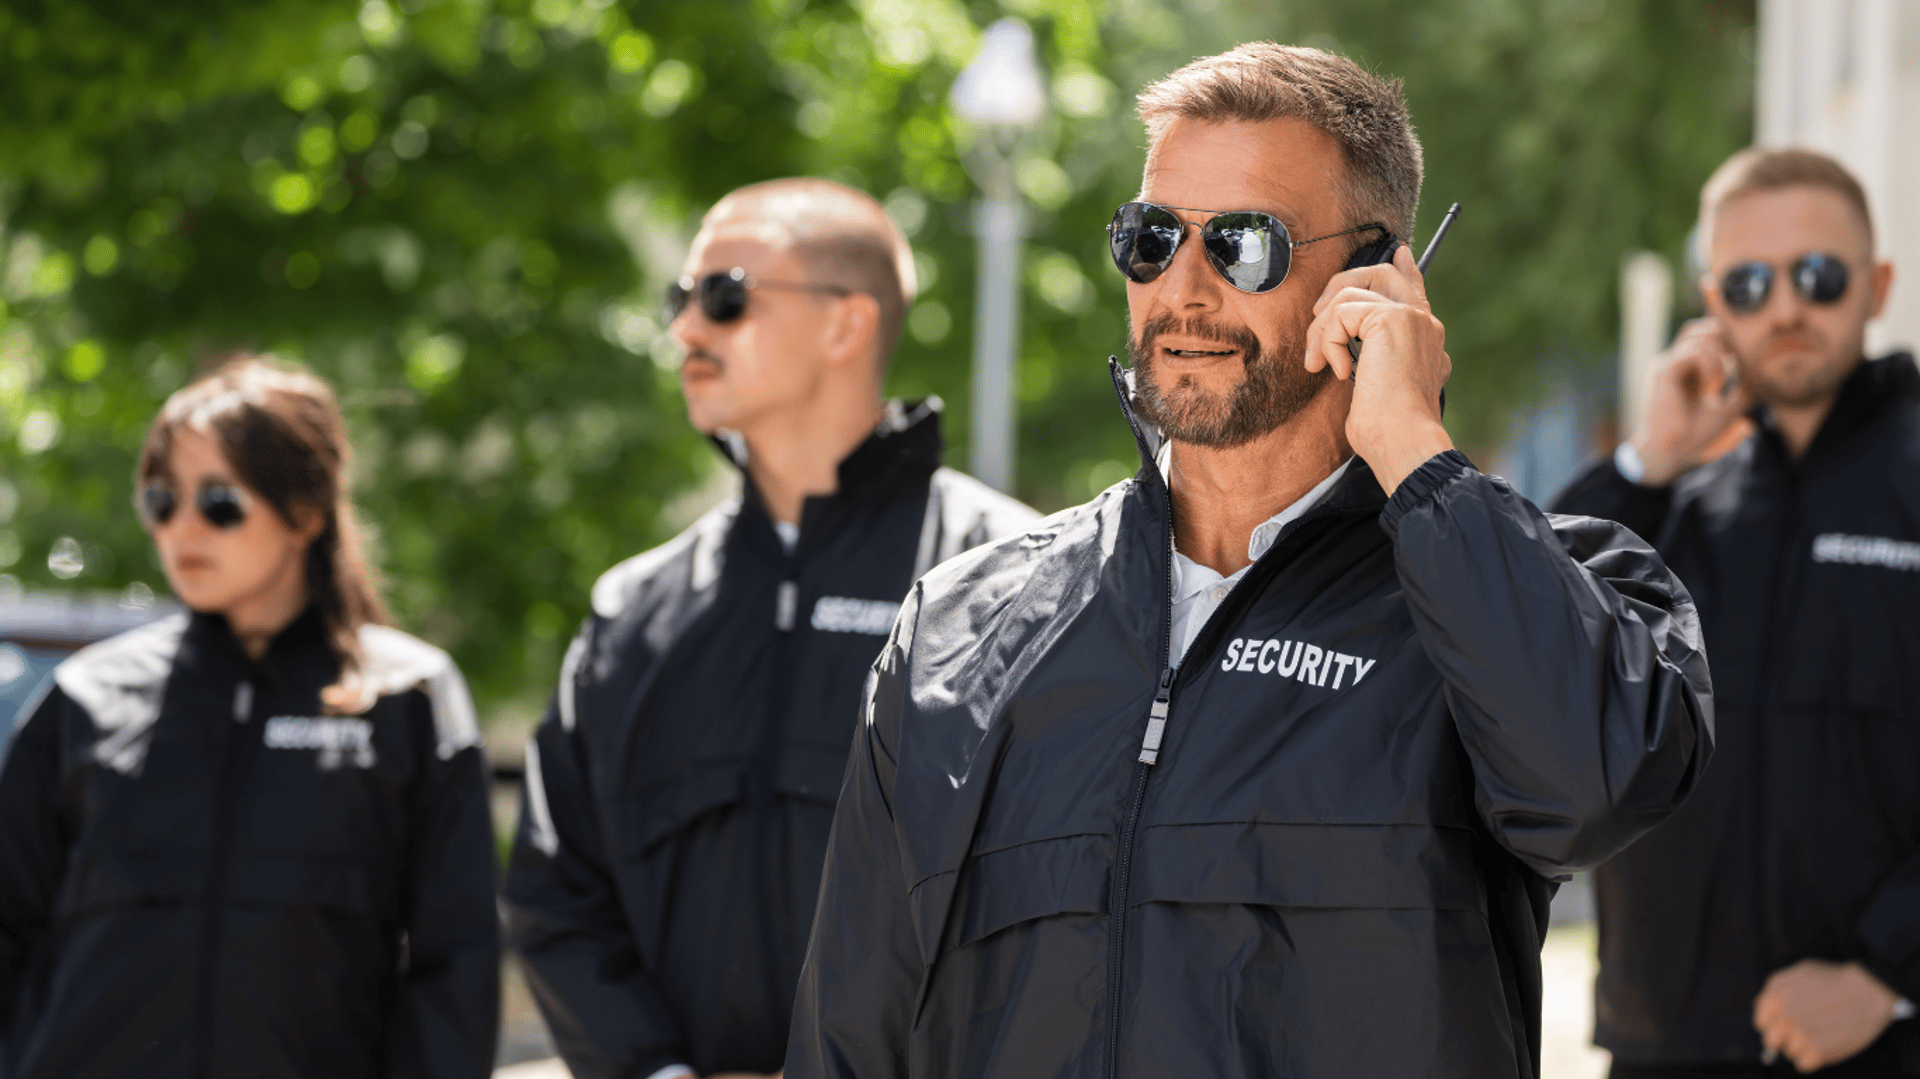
[[308, 631], [1866, 392], [1358, 490], [904, 448]]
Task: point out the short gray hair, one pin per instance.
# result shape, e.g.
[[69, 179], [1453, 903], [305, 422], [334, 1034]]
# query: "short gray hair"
[[1757, 171], [1364, 114]]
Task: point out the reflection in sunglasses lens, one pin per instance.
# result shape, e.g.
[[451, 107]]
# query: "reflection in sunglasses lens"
[[222, 507], [1745, 287], [1820, 278], [723, 297], [156, 503], [1816, 277], [1251, 250]]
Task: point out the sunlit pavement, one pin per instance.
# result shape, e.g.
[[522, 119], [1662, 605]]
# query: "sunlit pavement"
[[1566, 1007], [539, 1069], [1567, 1011]]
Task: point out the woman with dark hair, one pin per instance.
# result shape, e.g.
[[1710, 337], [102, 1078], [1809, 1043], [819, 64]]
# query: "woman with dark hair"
[[254, 839]]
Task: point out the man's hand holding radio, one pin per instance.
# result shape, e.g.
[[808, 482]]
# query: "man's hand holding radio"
[[1394, 423]]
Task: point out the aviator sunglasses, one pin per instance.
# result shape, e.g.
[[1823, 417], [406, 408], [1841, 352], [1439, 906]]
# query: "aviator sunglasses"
[[1819, 278], [220, 505], [723, 295], [1252, 250]]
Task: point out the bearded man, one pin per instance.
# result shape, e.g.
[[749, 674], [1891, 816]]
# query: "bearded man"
[[1773, 926], [1264, 761]]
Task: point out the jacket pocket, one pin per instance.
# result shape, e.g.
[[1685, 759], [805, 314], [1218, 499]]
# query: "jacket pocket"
[[262, 880], [653, 816], [812, 774], [366, 888], [105, 879], [1313, 865], [1002, 888]]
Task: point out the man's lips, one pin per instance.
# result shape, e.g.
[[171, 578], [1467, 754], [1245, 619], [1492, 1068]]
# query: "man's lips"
[[700, 367], [1195, 350], [1794, 342]]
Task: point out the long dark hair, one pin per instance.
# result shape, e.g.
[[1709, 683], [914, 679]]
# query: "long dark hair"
[[282, 433]]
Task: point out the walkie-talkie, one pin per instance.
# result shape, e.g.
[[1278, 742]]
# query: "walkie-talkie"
[[1383, 249]]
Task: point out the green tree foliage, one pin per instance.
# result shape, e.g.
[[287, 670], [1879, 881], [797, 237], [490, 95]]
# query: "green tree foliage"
[[461, 212]]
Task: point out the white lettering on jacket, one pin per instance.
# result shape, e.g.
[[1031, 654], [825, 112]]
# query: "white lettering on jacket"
[[1866, 551], [336, 737], [838, 614], [1308, 663]]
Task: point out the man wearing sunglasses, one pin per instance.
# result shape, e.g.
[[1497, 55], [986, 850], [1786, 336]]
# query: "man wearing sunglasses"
[[1262, 762], [1777, 916], [680, 789]]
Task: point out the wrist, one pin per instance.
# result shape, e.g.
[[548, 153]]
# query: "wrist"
[[1398, 456], [1658, 467]]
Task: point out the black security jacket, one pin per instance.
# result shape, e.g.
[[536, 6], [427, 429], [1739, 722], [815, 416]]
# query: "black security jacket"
[[1804, 839], [204, 875], [680, 790], [1405, 719]]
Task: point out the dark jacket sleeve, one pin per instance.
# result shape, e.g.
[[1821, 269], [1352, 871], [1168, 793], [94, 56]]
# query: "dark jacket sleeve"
[[34, 838], [608, 1017], [447, 1013], [1572, 661], [1599, 490], [854, 1006], [1887, 931]]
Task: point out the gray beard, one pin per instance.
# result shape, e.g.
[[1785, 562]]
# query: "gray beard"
[[1277, 387]]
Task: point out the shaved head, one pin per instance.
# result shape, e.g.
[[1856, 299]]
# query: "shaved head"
[[842, 236]]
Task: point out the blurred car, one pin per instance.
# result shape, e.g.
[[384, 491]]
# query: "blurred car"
[[39, 629]]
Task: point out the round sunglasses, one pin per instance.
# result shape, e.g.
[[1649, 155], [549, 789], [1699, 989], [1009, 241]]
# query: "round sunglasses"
[[1817, 277], [220, 505], [1252, 250], [723, 296]]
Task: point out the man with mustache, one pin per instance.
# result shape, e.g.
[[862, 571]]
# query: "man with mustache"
[[1264, 761], [680, 789], [1778, 914]]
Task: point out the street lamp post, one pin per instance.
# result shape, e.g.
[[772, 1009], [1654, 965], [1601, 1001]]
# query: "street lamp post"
[[1002, 95]]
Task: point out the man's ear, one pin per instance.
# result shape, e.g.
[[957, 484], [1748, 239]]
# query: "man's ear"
[[1710, 296], [1880, 281], [308, 523], [853, 330]]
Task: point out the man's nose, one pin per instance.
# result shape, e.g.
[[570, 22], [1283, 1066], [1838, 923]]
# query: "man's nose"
[[1189, 281], [1785, 306], [690, 328]]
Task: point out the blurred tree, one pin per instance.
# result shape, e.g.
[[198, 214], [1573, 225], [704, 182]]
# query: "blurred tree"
[[461, 211]]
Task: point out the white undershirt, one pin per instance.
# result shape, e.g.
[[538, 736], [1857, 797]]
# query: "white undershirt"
[[1198, 591], [789, 534]]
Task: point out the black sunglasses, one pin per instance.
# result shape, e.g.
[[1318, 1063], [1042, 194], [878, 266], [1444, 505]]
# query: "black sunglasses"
[[1819, 278], [1252, 250], [723, 295], [222, 506]]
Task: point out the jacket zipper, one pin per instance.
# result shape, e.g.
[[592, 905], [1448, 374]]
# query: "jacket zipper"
[[1788, 575], [765, 775], [239, 738], [1157, 715]]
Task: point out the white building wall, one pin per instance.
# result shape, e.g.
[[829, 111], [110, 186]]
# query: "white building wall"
[[1843, 77]]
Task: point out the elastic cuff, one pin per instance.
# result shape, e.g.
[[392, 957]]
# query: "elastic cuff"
[[1420, 485], [1627, 462], [1907, 988]]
